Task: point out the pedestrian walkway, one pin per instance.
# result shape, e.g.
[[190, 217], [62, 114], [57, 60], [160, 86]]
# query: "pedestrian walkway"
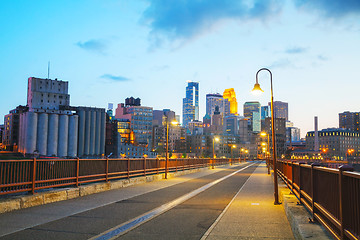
[[252, 214]]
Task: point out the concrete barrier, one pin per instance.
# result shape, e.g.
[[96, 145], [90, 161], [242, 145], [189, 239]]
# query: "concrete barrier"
[[16, 203]]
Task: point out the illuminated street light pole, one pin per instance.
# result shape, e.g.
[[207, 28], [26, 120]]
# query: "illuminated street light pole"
[[167, 145], [263, 134], [214, 139], [257, 89]]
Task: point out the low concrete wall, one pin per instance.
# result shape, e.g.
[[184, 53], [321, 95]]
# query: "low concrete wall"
[[19, 202], [298, 217]]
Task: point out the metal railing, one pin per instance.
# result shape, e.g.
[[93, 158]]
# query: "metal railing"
[[331, 195], [32, 175]]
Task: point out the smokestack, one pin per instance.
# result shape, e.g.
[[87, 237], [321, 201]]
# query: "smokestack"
[[316, 140]]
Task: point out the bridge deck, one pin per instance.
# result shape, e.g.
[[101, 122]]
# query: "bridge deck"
[[241, 205]]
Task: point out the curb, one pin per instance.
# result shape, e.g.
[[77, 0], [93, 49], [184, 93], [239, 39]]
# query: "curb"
[[26, 201], [298, 217]]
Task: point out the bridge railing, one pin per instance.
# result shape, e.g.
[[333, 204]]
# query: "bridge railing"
[[32, 175], [331, 195]]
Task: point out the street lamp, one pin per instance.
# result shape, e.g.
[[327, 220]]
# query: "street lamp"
[[167, 145], [258, 90], [264, 134], [232, 146], [215, 139]]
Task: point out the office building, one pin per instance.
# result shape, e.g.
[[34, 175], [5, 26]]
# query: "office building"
[[217, 101], [280, 134], [230, 96], [191, 103], [335, 143], [350, 121], [280, 110], [231, 125], [141, 119], [265, 112], [10, 136], [252, 112]]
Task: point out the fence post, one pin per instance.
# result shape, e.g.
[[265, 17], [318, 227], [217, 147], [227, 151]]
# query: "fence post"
[[77, 171], [107, 169], [144, 166], [313, 192], [157, 165], [292, 176], [176, 164], [128, 167], [341, 196], [33, 176], [300, 184]]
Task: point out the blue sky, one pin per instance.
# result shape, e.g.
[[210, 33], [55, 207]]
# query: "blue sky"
[[110, 50]]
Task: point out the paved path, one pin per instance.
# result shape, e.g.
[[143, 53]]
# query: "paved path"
[[252, 214]]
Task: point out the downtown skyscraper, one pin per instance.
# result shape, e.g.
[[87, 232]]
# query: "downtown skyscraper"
[[191, 103]]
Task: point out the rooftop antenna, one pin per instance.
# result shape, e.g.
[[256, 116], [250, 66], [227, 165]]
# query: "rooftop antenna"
[[48, 70]]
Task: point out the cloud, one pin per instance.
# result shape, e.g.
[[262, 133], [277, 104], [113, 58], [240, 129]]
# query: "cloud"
[[295, 50], [331, 8], [115, 78], [93, 45], [185, 19], [281, 63], [322, 58]]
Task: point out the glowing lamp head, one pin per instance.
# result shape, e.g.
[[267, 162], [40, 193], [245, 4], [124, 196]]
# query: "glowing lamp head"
[[216, 139], [263, 134], [257, 89], [174, 123], [233, 146]]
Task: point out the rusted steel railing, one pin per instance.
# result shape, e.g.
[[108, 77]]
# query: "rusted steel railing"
[[32, 175], [331, 195]]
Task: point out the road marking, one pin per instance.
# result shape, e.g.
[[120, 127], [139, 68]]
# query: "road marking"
[[206, 234], [255, 204], [137, 221]]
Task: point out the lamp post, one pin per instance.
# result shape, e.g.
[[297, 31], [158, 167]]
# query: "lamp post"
[[241, 152], [257, 89], [215, 139], [263, 134], [167, 145]]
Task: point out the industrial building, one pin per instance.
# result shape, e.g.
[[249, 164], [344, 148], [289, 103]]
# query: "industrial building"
[[51, 127]]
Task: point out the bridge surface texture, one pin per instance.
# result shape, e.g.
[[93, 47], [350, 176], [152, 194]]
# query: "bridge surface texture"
[[224, 203]]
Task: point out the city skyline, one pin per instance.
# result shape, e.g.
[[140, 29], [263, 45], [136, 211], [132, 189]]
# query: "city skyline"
[[140, 49]]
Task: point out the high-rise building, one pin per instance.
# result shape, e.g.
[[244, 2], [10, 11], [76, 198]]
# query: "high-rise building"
[[280, 134], [350, 121], [265, 112], [252, 112], [141, 119], [231, 125], [230, 95], [280, 109], [191, 103], [216, 101], [250, 107]]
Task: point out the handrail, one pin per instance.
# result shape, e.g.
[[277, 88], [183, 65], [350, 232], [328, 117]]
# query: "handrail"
[[331, 195], [32, 175]]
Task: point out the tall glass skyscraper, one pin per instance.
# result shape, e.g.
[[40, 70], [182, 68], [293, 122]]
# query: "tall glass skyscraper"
[[252, 110], [191, 103]]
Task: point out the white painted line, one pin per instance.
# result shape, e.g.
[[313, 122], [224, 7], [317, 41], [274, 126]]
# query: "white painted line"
[[255, 204], [206, 234], [137, 221]]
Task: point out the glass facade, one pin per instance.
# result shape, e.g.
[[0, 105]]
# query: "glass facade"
[[191, 103]]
